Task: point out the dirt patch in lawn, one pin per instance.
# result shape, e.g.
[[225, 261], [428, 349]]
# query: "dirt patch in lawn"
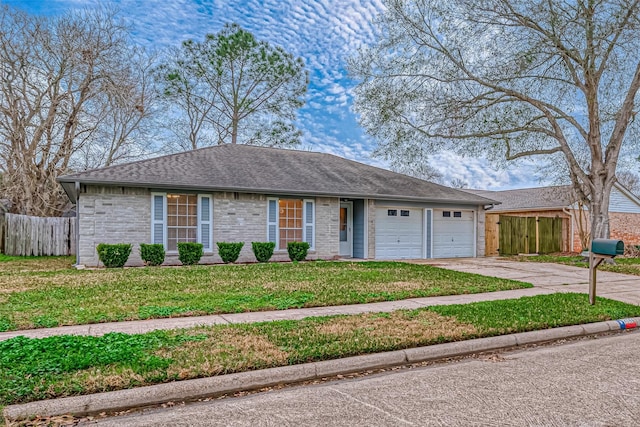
[[225, 350], [96, 380], [400, 326], [21, 283]]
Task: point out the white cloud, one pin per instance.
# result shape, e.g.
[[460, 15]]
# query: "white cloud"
[[324, 33], [481, 174]]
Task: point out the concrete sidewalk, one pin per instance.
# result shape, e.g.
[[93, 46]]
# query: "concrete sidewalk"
[[546, 278]]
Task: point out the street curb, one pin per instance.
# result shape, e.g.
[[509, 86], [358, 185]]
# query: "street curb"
[[121, 400]]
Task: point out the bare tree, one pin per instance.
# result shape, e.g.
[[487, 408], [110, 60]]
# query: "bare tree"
[[127, 125], [188, 102], [630, 181], [459, 183], [62, 80], [234, 88], [509, 78]]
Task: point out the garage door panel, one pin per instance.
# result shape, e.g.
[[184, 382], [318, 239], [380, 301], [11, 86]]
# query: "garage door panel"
[[398, 236], [453, 233]]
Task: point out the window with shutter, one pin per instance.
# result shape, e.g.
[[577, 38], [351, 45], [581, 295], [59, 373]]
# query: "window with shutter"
[[290, 220], [205, 222], [309, 223], [272, 221], [157, 218], [181, 218]]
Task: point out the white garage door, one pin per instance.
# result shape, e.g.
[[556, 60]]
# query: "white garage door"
[[453, 234], [398, 233]]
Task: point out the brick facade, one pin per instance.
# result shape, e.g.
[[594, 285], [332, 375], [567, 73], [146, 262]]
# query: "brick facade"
[[371, 227], [480, 232], [625, 227], [622, 226], [123, 215], [113, 215]]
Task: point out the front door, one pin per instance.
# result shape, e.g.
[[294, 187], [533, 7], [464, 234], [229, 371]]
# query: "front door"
[[346, 229]]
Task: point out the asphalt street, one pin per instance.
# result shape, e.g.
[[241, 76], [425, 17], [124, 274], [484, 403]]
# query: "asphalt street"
[[592, 382]]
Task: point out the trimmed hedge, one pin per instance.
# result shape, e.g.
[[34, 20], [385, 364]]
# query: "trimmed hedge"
[[113, 255], [263, 250], [189, 253], [229, 251], [297, 250], [152, 254]]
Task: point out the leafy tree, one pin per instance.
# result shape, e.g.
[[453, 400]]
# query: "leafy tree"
[[509, 78], [233, 88], [65, 83]]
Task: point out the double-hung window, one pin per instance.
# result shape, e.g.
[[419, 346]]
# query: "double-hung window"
[[181, 218], [290, 220]]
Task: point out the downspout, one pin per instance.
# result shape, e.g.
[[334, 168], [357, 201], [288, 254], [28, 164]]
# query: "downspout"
[[572, 219], [77, 236], [488, 207]]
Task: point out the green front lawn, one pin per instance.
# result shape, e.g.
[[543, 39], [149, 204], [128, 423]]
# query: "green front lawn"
[[52, 293], [32, 369], [622, 265]]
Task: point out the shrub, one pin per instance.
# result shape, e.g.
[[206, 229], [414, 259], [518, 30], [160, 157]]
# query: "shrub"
[[189, 253], [114, 255], [229, 251], [632, 251], [263, 250], [297, 250], [152, 254]]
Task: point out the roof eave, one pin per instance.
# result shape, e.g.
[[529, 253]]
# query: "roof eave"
[[70, 179], [551, 208]]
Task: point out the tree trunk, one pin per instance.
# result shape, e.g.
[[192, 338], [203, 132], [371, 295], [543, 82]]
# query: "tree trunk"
[[234, 127], [599, 207]]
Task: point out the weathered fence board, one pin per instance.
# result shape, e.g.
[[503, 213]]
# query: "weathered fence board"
[[2, 233], [29, 235], [519, 235]]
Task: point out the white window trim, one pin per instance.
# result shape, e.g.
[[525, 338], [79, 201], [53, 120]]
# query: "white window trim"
[[305, 224], [304, 219], [208, 221], [154, 222], [165, 232], [275, 222]]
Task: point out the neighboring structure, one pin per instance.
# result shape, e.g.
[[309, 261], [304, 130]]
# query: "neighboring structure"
[[239, 193], [548, 219]]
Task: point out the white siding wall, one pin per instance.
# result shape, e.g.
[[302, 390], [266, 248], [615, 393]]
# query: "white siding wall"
[[619, 202]]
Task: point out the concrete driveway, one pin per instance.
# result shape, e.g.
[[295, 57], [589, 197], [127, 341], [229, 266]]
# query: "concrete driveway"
[[556, 277]]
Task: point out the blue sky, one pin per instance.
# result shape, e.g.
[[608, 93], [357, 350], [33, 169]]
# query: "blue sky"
[[324, 33]]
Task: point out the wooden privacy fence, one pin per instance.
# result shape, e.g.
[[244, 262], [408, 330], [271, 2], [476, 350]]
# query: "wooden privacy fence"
[[529, 235], [22, 235]]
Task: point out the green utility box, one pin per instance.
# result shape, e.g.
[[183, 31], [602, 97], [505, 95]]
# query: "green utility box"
[[609, 247]]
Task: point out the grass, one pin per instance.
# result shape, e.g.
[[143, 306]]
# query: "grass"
[[622, 265], [50, 294], [32, 369]]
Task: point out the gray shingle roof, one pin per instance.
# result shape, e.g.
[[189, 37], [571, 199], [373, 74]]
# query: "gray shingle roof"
[[244, 168], [556, 197]]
